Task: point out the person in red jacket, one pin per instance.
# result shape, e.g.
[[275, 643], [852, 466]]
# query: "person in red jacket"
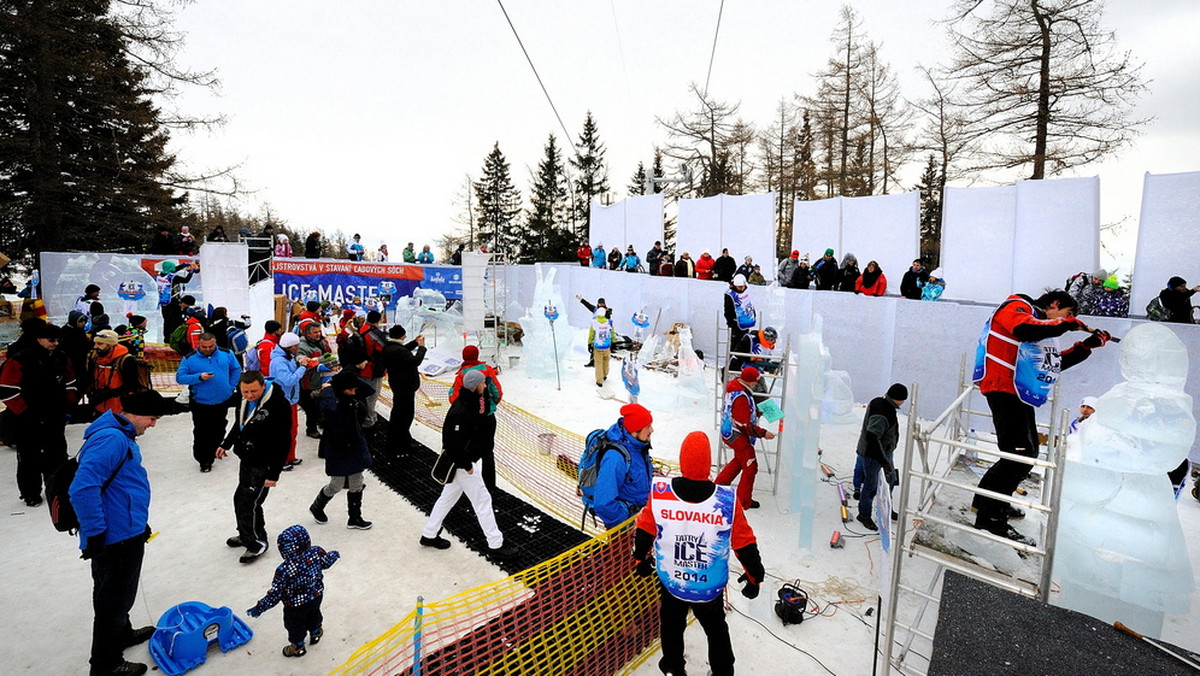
[[272, 330], [739, 429], [693, 524], [1021, 332], [584, 254], [704, 265], [871, 282]]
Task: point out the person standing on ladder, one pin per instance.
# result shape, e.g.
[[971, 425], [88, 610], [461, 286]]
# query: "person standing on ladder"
[[739, 429], [1016, 368]]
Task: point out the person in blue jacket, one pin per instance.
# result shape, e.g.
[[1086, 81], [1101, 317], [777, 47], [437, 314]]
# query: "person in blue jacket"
[[287, 370], [623, 486], [111, 497], [599, 258], [211, 375]]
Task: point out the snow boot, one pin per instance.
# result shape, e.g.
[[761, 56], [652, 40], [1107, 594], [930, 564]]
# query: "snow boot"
[[354, 505], [318, 507]]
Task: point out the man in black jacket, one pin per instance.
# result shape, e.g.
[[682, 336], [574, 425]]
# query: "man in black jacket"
[[1177, 298], [460, 432], [876, 443], [724, 267], [914, 279], [260, 437], [37, 385], [401, 360]]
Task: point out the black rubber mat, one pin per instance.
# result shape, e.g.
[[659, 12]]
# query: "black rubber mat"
[[537, 536]]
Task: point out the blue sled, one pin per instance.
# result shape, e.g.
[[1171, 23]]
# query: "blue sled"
[[184, 632]]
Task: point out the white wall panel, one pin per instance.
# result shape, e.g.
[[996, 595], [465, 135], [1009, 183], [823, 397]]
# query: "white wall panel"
[[1168, 236]]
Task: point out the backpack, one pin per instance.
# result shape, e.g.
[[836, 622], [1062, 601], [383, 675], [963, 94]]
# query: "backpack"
[[253, 363], [58, 493], [178, 340], [238, 340], [589, 464], [1156, 312], [143, 370]]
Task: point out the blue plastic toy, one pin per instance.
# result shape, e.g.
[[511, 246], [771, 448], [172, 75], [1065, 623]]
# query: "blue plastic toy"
[[184, 632]]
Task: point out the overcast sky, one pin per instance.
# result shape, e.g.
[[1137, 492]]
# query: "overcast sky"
[[368, 115]]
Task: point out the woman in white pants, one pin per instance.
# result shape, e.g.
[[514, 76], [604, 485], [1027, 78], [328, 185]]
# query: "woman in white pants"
[[460, 439]]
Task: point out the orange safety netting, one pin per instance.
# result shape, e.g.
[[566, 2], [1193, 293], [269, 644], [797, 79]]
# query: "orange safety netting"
[[582, 612]]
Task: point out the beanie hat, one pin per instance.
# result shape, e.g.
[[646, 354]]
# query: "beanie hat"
[[897, 392], [49, 332], [1101, 273], [472, 379], [1112, 283], [750, 375], [636, 417], [795, 253], [1176, 281], [397, 332], [107, 337], [936, 274], [344, 380], [470, 353], [829, 252], [739, 280], [1090, 402], [136, 320], [373, 317], [289, 340], [695, 456], [146, 402]]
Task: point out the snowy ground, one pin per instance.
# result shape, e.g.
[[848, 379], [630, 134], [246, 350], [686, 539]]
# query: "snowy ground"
[[46, 597]]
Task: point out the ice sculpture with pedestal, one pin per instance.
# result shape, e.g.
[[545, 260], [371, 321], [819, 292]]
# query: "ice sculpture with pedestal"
[[540, 345], [1120, 551]]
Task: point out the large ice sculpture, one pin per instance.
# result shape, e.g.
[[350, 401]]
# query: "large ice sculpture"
[[1120, 550], [542, 343]]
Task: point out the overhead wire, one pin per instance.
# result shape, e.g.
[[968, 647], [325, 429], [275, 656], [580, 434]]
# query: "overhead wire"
[[620, 48], [713, 55]]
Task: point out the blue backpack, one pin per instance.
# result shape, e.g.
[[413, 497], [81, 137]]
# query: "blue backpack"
[[589, 464], [238, 340]]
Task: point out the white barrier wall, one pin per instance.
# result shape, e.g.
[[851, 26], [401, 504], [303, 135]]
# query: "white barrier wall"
[[637, 221], [607, 226], [817, 226], [745, 224], [977, 242], [1168, 236], [878, 341], [883, 228], [698, 227]]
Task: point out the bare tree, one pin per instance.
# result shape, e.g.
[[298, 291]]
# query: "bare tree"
[[886, 121], [836, 108], [1043, 83], [704, 140]]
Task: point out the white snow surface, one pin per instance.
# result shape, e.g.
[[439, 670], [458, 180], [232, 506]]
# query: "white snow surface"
[[46, 621]]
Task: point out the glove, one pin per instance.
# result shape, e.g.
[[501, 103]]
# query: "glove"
[[1098, 339], [645, 568], [94, 548], [254, 612], [750, 590]]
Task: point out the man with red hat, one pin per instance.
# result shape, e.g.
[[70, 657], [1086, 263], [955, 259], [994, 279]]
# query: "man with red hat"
[[739, 429], [693, 524], [623, 480]]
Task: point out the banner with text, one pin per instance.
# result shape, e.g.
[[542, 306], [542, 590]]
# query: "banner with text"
[[342, 282]]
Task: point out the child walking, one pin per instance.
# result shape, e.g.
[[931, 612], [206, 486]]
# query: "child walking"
[[300, 583]]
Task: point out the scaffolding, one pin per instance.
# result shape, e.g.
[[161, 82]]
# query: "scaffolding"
[[773, 382], [932, 452]]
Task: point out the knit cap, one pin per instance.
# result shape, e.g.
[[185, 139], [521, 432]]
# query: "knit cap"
[[636, 417], [897, 392], [695, 456], [289, 340], [472, 379]]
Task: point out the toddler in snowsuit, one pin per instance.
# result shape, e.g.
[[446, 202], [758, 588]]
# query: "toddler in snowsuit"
[[300, 583]]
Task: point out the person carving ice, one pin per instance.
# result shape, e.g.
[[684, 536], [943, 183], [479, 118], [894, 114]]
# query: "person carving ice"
[[1120, 550]]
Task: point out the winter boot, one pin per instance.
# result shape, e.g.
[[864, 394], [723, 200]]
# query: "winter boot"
[[318, 507], [354, 505]]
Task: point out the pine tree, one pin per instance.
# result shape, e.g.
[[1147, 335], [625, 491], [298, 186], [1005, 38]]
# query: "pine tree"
[[637, 184], [656, 168], [591, 175], [931, 187], [499, 205], [807, 178], [547, 235], [83, 158]]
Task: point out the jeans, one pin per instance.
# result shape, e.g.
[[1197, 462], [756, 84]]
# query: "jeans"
[[115, 575], [672, 615], [247, 506]]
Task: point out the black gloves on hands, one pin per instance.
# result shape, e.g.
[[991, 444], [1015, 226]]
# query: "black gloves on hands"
[[645, 567], [1098, 339], [94, 548], [751, 588]]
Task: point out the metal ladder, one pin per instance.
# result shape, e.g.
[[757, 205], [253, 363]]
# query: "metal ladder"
[[931, 453]]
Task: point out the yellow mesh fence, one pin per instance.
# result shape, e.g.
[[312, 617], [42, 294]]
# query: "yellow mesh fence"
[[582, 612]]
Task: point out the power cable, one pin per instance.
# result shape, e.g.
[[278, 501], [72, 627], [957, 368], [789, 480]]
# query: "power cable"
[[620, 48], [712, 56], [567, 134]]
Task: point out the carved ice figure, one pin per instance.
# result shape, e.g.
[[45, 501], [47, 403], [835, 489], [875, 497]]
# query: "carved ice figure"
[[1120, 551], [538, 344]]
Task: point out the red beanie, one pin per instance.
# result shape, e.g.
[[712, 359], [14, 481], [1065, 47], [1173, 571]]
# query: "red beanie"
[[750, 375], [470, 353], [695, 456], [636, 417]]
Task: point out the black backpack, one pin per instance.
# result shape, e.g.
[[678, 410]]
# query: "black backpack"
[[58, 493]]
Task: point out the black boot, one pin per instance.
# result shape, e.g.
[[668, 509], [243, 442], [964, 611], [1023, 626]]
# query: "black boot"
[[354, 505], [318, 507]]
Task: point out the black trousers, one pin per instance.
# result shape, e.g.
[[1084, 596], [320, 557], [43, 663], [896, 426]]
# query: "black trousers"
[[115, 575], [487, 447], [672, 617], [247, 505], [1016, 432], [208, 429], [302, 620], [312, 414], [41, 448], [400, 423]]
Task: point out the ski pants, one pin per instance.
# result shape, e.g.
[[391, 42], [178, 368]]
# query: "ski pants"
[[672, 615], [745, 463], [1016, 432]]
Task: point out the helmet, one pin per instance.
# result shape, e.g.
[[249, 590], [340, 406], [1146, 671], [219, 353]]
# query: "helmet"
[[768, 336]]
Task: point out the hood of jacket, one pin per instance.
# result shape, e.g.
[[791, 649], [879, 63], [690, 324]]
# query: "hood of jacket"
[[293, 541]]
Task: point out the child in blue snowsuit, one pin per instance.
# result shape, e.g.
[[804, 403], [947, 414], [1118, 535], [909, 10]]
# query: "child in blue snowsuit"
[[300, 583]]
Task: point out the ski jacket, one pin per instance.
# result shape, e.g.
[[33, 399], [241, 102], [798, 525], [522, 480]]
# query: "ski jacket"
[[112, 375], [1111, 303], [1018, 320], [825, 272], [492, 395], [216, 390], [38, 383], [287, 373], [262, 434], [598, 257], [685, 267], [343, 444], [265, 347], [122, 510], [723, 268], [786, 269], [911, 283], [880, 432], [622, 487], [704, 266], [300, 578], [462, 427], [400, 361], [933, 290], [1179, 303], [584, 254], [877, 289]]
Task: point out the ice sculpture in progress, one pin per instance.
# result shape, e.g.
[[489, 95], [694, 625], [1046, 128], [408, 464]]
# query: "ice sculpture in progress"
[[1120, 548]]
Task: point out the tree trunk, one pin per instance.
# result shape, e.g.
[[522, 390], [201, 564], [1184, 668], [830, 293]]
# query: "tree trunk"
[[1043, 104]]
